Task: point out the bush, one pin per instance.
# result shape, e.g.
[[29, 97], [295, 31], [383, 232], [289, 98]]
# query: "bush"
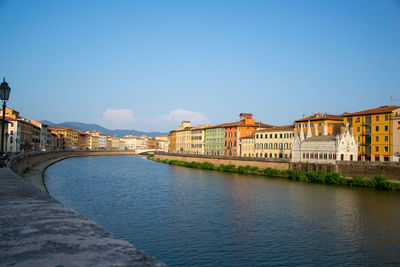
[[150, 157], [359, 180], [207, 166], [380, 182], [244, 169], [334, 178], [316, 177], [297, 175], [271, 172], [227, 168]]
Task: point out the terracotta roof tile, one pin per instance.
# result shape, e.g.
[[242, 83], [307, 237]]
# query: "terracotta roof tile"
[[320, 116], [277, 128], [380, 110]]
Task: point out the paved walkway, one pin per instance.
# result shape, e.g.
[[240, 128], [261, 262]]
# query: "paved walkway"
[[37, 230]]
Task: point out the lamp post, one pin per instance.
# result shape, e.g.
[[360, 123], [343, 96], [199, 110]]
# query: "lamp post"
[[4, 94]]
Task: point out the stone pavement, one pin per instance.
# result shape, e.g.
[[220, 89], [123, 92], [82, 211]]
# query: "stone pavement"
[[38, 230]]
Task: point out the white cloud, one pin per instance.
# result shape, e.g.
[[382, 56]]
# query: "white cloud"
[[179, 115], [117, 119]]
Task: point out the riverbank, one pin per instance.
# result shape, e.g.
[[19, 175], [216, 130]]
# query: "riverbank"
[[38, 230], [378, 182]]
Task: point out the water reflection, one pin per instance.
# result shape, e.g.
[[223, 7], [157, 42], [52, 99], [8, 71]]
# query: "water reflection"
[[194, 217]]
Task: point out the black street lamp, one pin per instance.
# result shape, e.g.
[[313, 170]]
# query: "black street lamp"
[[4, 94]]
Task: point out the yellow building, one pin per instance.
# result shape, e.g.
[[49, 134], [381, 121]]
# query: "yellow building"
[[172, 144], [183, 138], [275, 142], [70, 136], [93, 142], [373, 130], [315, 124], [247, 146], [197, 138]]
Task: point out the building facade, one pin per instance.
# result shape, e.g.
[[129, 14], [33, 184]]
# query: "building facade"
[[183, 138], [70, 136], [374, 129], [317, 122], [214, 140], [236, 130], [325, 148], [247, 146], [197, 137], [275, 142]]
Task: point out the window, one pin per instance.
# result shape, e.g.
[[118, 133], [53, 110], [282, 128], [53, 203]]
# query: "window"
[[276, 135], [386, 117], [235, 143], [358, 129], [256, 136], [265, 146], [280, 136], [377, 138], [386, 149], [386, 128], [270, 136], [358, 119], [377, 149], [377, 128], [386, 138], [275, 146], [377, 118]]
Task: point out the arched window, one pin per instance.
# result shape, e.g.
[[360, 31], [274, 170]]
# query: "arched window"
[[280, 146], [265, 146], [270, 145], [230, 143], [235, 143], [275, 145]]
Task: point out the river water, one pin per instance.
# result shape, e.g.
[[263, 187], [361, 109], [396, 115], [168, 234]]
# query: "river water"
[[189, 217]]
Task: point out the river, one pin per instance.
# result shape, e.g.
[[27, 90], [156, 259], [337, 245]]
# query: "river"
[[190, 217]]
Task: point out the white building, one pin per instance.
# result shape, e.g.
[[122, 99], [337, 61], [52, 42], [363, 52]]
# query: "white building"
[[14, 135], [129, 142], [163, 142], [325, 148]]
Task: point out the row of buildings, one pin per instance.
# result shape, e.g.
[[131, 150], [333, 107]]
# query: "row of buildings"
[[368, 135], [23, 135]]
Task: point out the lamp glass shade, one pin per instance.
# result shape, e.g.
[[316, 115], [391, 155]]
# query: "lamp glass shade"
[[4, 90]]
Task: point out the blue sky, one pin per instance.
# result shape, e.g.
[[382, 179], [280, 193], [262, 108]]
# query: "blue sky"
[[146, 65]]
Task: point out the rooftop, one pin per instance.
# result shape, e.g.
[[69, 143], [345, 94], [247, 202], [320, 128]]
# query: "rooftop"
[[321, 116], [277, 128], [380, 110]]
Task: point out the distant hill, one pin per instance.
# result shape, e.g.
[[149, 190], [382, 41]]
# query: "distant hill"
[[94, 127]]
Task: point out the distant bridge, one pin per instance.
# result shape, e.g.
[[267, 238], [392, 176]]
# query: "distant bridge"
[[148, 151]]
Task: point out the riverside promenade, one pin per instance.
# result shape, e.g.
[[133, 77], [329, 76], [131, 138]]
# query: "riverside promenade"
[[38, 230]]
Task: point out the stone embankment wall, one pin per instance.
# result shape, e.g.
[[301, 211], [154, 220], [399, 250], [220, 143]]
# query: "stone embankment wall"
[[20, 162], [390, 170]]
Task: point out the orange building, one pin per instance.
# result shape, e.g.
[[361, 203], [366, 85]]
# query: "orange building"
[[236, 130], [317, 121]]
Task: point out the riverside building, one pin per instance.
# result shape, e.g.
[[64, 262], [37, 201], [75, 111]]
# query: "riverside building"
[[376, 131], [325, 148], [197, 137], [317, 122], [214, 140], [236, 130], [275, 142], [247, 146]]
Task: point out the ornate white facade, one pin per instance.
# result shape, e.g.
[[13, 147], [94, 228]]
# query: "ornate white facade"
[[325, 148]]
